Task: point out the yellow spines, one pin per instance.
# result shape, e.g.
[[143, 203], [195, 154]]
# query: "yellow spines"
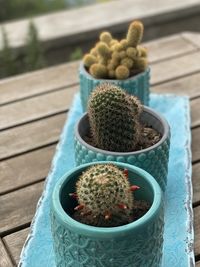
[[114, 59], [141, 64], [131, 52], [122, 54], [93, 52], [124, 43], [122, 72], [89, 59], [127, 62], [103, 50], [111, 74], [105, 37], [135, 33], [118, 47], [98, 71], [141, 51]]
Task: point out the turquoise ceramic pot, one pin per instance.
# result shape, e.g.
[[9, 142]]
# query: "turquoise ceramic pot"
[[137, 85], [133, 245], [153, 159]]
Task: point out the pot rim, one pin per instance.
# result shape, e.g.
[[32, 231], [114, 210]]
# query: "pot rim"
[[89, 76], [106, 232], [156, 115]]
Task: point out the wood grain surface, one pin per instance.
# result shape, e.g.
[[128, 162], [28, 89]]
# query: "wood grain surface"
[[33, 109]]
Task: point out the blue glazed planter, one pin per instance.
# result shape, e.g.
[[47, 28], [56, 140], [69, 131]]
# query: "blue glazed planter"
[[137, 85], [133, 245], [153, 159]]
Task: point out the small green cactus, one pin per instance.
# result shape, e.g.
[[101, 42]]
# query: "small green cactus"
[[104, 196], [114, 118], [113, 59]]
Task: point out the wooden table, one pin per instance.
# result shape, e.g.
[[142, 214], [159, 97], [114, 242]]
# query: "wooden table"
[[32, 113]]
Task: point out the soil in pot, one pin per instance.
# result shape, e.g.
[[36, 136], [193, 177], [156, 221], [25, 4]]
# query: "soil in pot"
[[140, 208], [149, 137]]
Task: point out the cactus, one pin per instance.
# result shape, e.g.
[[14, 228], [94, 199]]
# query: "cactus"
[[98, 70], [89, 60], [135, 33], [114, 118], [122, 72], [105, 37], [104, 196], [115, 59], [103, 50]]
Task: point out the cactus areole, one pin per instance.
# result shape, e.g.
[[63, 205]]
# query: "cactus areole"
[[114, 59]]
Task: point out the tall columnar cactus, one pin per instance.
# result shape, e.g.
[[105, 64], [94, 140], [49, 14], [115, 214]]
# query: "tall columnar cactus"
[[113, 59], [135, 33], [104, 196], [114, 118]]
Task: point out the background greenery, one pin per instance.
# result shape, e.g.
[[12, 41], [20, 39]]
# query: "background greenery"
[[15, 9], [34, 57]]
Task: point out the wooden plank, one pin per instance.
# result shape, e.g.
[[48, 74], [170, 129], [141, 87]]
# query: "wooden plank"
[[52, 103], [195, 112], [196, 144], [60, 28], [36, 107], [192, 37], [17, 208], [188, 85], [38, 82], [198, 264], [16, 240], [175, 68], [64, 75], [31, 136], [15, 243], [197, 230], [196, 183], [5, 261], [168, 47], [21, 171]]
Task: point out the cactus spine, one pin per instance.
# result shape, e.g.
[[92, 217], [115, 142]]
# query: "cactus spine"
[[104, 196], [114, 118], [118, 57]]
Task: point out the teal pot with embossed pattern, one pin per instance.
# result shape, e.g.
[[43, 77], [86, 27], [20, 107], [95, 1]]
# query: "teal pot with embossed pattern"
[[153, 159], [137, 85], [135, 244]]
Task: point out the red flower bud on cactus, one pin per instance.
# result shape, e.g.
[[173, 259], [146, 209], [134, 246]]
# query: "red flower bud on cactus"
[[134, 188]]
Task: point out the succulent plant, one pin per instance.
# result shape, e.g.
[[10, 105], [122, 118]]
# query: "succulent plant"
[[114, 118], [113, 59], [104, 196]]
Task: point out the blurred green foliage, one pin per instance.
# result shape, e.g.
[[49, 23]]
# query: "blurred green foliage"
[[76, 54], [14, 9], [7, 59], [33, 57]]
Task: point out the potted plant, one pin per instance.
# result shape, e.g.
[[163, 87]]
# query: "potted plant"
[[123, 63], [98, 226], [118, 127]]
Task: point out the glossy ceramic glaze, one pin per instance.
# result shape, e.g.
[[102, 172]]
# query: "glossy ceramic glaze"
[[153, 159], [135, 244], [137, 85]]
